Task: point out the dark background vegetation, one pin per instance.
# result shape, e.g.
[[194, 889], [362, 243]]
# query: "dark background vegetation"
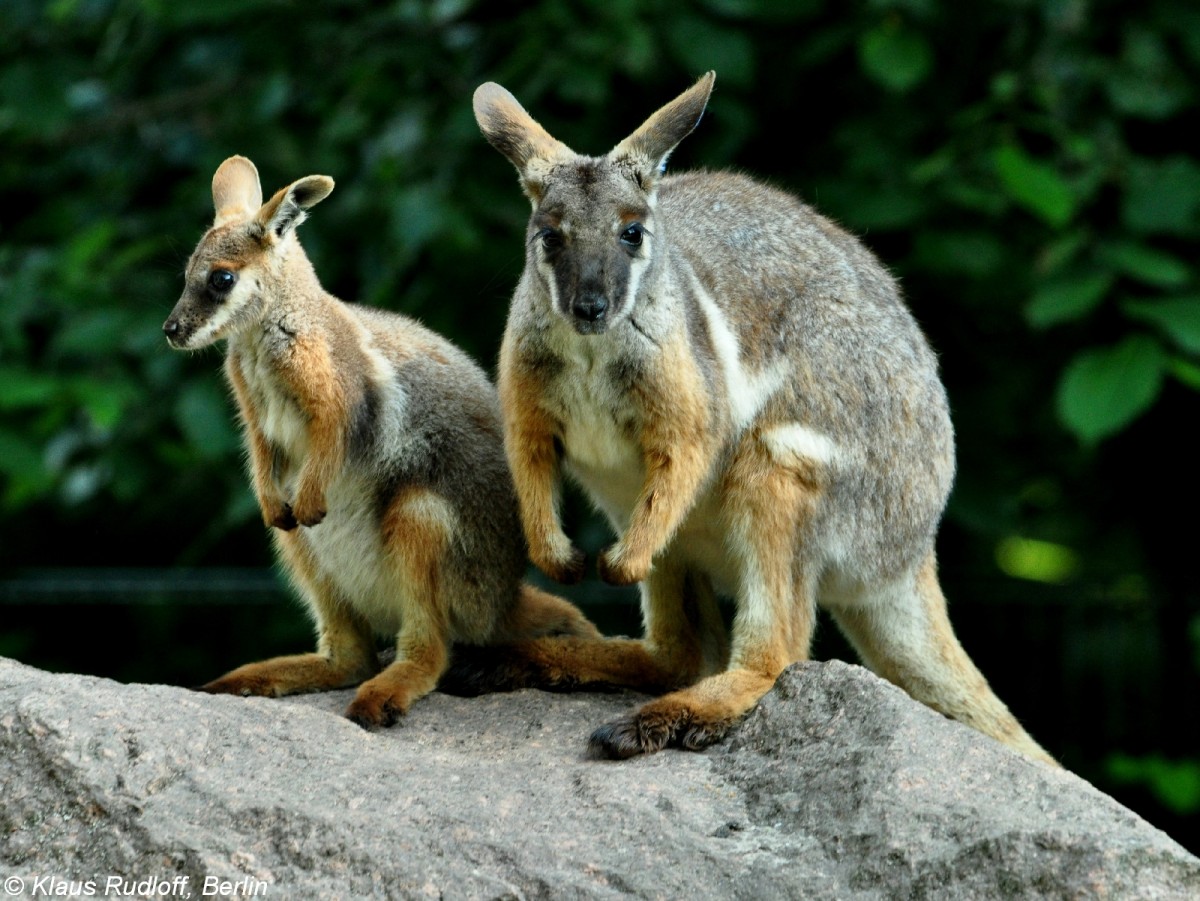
[[1020, 164]]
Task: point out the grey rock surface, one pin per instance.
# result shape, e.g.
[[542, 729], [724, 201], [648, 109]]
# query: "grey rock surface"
[[837, 786]]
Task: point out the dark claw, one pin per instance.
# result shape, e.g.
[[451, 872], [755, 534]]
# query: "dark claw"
[[627, 737], [285, 520], [572, 573]]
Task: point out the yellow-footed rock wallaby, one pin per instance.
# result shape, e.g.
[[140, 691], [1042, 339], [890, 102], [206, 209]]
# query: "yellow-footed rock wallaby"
[[376, 453], [737, 384]]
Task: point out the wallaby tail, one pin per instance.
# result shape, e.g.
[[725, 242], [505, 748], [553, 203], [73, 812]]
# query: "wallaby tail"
[[538, 614], [910, 643]]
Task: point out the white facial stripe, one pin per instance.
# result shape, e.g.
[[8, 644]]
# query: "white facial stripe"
[[637, 269], [793, 442], [748, 391], [547, 272], [211, 330]]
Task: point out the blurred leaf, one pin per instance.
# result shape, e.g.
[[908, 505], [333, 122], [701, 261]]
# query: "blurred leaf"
[[1104, 389], [1146, 82], [974, 254], [1163, 196], [1066, 298], [90, 332], [1178, 317], [23, 389], [1176, 783], [26, 477], [205, 417], [105, 401], [1153, 267], [1034, 185], [895, 56], [1186, 373], [1036, 561]]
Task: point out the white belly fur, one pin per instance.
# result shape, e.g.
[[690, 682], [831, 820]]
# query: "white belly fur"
[[349, 553]]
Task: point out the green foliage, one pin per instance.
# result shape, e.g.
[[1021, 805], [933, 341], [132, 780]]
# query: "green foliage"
[[1104, 389], [1176, 783]]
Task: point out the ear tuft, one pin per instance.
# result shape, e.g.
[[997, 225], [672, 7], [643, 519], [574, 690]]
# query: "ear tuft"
[[236, 191], [648, 148]]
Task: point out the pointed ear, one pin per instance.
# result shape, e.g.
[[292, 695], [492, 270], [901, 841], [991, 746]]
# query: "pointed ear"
[[286, 209], [647, 148], [514, 133], [236, 191]]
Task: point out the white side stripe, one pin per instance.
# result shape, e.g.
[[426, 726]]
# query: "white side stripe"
[[748, 391]]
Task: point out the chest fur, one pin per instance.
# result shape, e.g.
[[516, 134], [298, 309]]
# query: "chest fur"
[[270, 402]]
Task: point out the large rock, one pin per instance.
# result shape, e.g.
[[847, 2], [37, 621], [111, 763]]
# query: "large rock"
[[837, 786]]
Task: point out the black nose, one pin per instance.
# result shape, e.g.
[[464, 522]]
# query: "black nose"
[[170, 327], [590, 308]]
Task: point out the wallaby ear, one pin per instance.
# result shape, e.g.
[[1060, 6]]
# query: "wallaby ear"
[[518, 136], [286, 209], [647, 148], [237, 193]]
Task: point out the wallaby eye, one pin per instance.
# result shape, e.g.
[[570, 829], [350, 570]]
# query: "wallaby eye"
[[551, 240], [632, 236], [221, 280]]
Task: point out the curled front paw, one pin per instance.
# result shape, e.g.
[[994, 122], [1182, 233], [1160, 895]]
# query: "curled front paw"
[[566, 566], [373, 709], [278, 514], [616, 567], [309, 509]]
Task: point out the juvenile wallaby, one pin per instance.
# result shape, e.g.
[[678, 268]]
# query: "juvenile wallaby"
[[736, 383], [376, 453]]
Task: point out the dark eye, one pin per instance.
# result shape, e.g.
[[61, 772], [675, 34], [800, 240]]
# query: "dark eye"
[[551, 240], [632, 236], [221, 280]]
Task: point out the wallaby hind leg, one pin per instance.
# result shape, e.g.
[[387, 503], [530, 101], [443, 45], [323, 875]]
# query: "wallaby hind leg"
[[538, 614], [345, 653], [422, 653], [903, 633], [766, 507], [680, 610]]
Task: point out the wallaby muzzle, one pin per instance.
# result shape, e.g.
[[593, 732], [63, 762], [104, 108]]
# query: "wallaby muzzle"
[[590, 308]]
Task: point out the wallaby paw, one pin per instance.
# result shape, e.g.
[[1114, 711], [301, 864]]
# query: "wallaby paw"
[[631, 735], [655, 726], [374, 709], [568, 569], [615, 569], [309, 516], [245, 686], [279, 515]]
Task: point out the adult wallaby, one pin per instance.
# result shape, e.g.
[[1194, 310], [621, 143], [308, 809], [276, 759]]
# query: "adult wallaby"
[[736, 383], [376, 453]]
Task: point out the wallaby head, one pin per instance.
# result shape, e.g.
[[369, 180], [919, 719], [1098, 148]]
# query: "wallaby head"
[[593, 236], [234, 270]]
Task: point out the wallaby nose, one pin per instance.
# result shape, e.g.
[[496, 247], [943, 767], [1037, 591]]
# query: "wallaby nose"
[[590, 308], [170, 328]]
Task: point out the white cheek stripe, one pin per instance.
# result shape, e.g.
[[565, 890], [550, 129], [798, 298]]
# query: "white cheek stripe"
[[547, 273], [637, 268], [210, 331], [748, 391], [793, 442]]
